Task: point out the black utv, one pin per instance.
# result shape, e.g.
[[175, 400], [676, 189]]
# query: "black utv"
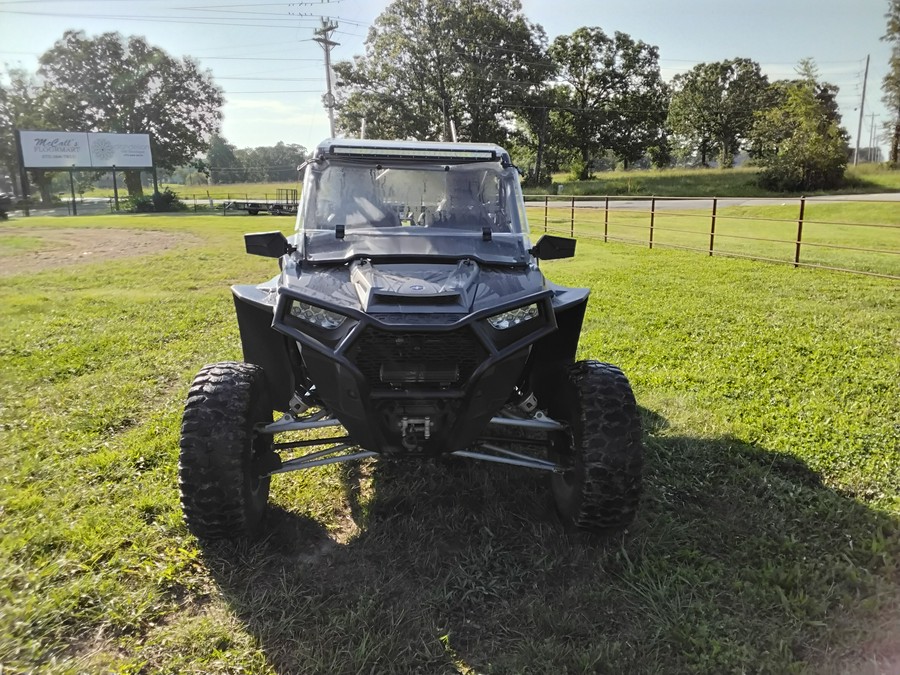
[[411, 319]]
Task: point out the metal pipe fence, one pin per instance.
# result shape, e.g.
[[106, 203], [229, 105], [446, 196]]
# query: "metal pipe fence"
[[733, 230]]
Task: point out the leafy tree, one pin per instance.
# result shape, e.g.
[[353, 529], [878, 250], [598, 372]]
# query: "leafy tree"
[[540, 137], [776, 96], [125, 85], [21, 107], [616, 98], [891, 83], [712, 107], [430, 62], [800, 142], [221, 162], [277, 163]]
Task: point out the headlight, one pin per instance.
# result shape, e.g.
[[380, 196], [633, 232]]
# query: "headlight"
[[513, 317], [316, 315]]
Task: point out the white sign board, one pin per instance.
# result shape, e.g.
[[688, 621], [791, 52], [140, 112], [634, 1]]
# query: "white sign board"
[[65, 150], [54, 149], [120, 150]]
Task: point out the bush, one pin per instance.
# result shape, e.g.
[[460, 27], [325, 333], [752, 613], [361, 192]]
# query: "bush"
[[167, 200], [804, 146]]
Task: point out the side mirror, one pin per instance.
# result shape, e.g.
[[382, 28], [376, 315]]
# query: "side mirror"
[[267, 244], [550, 247]]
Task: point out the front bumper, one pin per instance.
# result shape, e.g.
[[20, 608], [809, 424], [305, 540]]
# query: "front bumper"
[[415, 383]]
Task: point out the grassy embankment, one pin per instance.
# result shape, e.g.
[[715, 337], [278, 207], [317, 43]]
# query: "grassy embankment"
[[739, 182], [768, 538]]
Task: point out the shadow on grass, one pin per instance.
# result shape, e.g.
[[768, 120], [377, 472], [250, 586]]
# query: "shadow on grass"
[[740, 560]]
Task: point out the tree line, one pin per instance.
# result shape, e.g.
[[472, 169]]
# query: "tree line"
[[479, 70], [225, 163], [484, 71]]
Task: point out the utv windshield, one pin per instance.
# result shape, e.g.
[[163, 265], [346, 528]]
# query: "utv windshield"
[[357, 208]]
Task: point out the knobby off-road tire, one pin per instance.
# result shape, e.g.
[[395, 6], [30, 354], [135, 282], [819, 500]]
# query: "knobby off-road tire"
[[221, 494], [601, 489]]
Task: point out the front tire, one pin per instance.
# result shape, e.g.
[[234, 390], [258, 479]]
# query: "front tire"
[[601, 488], [222, 494]]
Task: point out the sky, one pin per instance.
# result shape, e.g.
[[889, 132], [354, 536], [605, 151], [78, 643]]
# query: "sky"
[[262, 53]]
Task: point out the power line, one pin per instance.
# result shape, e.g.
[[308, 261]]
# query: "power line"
[[199, 21]]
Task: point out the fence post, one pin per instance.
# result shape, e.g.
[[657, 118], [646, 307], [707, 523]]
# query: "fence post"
[[799, 231], [652, 218], [712, 226], [546, 202], [572, 221], [606, 221]]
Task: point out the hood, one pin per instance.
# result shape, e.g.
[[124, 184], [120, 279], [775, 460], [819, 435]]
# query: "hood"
[[390, 288], [416, 288]]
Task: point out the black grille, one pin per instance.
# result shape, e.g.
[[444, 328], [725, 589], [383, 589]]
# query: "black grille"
[[394, 360]]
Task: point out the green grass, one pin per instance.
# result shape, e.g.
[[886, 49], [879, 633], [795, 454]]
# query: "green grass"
[[751, 231], [738, 182], [188, 193], [768, 539]]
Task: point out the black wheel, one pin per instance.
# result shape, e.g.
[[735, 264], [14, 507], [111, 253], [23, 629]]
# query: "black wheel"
[[253, 212], [602, 486], [222, 494]]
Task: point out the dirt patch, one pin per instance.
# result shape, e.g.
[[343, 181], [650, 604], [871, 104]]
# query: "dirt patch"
[[36, 249]]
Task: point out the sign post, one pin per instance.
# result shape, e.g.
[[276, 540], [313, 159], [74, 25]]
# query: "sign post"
[[115, 188], [72, 187], [23, 174]]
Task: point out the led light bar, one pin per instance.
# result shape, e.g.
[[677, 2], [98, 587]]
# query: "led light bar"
[[412, 153]]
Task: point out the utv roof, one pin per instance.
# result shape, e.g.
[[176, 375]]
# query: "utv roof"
[[451, 153]]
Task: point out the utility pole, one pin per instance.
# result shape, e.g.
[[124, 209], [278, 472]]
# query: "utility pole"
[[862, 104], [872, 154], [323, 37]]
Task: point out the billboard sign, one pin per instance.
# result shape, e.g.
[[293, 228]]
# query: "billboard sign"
[[78, 150], [119, 150], [54, 150]]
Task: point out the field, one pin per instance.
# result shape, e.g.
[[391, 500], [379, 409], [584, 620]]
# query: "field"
[[768, 538], [190, 193], [832, 233], [738, 182]]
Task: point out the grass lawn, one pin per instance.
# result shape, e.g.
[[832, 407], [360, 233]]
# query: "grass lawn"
[[768, 538], [738, 182]]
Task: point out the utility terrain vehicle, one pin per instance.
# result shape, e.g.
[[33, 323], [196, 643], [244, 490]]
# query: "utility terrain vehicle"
[[409, 319]]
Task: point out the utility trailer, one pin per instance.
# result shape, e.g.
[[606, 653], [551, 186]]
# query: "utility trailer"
[[285, 204]]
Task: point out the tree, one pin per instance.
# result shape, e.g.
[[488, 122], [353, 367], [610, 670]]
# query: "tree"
[[276, 163], [125, 85], [221, 162], [616, 98], [799, 141], [21, 108], [429, 63], [891, 83], [712, 107], [538, 140]]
